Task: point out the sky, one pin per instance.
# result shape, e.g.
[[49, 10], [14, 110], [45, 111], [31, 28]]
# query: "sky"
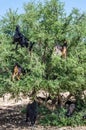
[[18, 4], [70, 4]]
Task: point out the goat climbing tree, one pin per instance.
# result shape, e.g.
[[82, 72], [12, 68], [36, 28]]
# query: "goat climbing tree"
[[47, 25]]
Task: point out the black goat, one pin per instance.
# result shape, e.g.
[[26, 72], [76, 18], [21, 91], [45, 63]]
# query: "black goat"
[[21, 40], [31, 112]]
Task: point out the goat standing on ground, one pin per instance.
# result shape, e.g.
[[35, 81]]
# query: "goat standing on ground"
[[70, 108], [31, 112]]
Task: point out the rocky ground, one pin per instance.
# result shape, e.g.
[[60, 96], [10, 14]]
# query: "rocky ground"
[[11, 117]]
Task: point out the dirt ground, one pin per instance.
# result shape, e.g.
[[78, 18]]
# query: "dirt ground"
[[11, 118]]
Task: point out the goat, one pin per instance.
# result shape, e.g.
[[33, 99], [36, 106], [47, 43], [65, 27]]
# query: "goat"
[[31, 112], [17, 72], [70, 108], [21, 40], [61, 50]]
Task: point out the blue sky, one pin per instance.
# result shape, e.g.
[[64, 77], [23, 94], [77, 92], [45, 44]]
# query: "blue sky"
[[14, 4], [70, 4]]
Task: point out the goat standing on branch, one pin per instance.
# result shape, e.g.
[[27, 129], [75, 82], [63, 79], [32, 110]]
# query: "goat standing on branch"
[[21, 40], [17, 72], [61, 50]]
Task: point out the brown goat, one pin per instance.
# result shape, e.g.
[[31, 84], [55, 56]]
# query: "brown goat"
[[61, 50], [17, 72]]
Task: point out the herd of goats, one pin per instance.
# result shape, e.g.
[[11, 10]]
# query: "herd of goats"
[[32, 108], [21, 40]]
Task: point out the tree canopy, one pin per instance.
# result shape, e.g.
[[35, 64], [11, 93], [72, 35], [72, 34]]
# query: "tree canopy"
[[48, 25]]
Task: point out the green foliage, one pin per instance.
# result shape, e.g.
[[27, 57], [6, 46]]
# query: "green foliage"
[[9, 21], [58, 118], [47, 24]]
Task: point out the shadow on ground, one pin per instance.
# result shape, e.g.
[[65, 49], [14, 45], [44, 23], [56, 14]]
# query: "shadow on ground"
[[12, 118]]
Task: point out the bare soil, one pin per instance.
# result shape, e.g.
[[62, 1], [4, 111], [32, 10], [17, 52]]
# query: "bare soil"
[[11, 118]]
